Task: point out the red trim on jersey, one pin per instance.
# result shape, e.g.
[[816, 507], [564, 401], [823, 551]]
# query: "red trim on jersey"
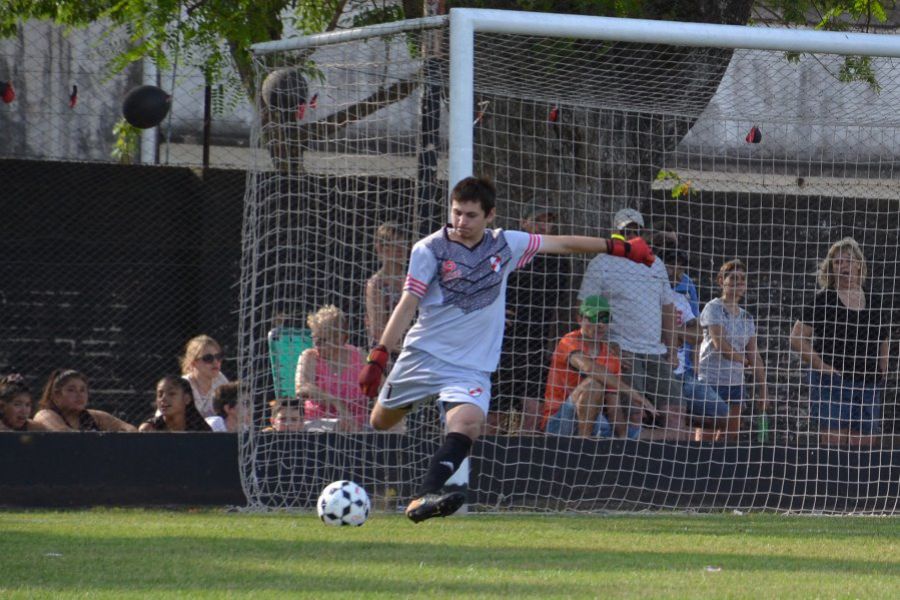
[[415, 287], [534, 244]]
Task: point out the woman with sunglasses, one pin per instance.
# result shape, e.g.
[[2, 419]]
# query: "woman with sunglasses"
[[64, 406], [175, 404], [15, 405], [201, 365]]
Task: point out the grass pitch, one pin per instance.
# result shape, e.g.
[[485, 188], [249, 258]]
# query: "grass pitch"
[[113, 553]]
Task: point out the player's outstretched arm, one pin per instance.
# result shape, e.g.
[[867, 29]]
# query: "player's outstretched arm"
[[635, 249], [376, 363]]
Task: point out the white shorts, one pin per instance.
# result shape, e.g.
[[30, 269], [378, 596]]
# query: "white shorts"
[[417, 376]]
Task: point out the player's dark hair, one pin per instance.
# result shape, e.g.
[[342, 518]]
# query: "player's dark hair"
[[225, 395], [476, 189]]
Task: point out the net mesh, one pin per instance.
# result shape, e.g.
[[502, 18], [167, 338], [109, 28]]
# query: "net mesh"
[[726, 154]]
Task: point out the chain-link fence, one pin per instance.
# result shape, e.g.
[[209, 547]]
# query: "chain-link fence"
[[116, 249]]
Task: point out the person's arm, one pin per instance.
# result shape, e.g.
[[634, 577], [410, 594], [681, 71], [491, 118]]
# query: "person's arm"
[[400, 320], [33, 425], [51, 420], [635, 249], [146, 427], [721, 345], [801, 343], [589, 368], [107, 422], [375, 315], [884, 354], [758, 367], [669, 336]]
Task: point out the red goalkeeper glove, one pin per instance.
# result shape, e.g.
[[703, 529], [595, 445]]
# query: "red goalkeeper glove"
[[635, 249], [371, 374]]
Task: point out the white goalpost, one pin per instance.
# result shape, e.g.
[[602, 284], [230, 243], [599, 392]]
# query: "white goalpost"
[[730, 142]]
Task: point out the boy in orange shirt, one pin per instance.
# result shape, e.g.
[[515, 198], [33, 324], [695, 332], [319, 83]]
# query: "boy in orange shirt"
[[583, 380]]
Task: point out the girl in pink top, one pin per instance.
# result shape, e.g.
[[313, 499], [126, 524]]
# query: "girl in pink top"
[[327, 373]]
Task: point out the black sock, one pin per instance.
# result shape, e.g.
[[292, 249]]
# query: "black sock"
[[454, 450]]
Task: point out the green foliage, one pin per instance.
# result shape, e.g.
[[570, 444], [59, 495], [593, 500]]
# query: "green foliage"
[[125, 146], [680, 187]]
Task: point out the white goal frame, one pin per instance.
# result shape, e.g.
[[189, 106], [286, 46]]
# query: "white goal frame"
[[465, 23]]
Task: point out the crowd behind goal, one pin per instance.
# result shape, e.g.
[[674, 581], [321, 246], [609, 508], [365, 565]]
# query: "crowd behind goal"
[[633, 353]]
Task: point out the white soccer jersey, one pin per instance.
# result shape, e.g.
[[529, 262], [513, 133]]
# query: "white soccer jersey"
[[462, 291]]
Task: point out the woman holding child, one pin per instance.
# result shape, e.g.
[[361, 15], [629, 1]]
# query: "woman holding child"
[[843, 335]]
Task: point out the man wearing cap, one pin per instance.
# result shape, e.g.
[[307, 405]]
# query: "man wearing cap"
[[643, 326], [583, 381], [537, 298]]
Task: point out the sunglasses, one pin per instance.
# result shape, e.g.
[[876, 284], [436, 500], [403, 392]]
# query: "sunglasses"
[[599, 318], [211, 358]]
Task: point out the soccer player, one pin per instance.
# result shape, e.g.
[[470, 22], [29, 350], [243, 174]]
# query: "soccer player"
[[457, 281]]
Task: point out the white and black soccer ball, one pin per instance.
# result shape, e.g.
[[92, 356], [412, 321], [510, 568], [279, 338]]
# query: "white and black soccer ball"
[[343, 503]]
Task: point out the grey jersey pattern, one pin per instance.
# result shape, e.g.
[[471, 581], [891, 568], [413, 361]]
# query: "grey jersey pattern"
[[470, 278]]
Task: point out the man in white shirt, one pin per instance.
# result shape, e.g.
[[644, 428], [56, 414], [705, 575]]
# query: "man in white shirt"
[[643, 327], [457, 281]]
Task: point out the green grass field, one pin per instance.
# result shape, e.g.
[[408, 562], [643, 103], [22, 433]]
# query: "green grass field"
[[114, 553]]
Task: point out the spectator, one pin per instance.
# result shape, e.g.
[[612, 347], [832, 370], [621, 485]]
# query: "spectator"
[[729, 346], [701, 400], [843, 335], [683, 285], [327, 373], [63, 406], [641, 301], [201, 365], [287, 416], [383, 289], [15, 405], [537, 314], [225, 407], [583, 381], [175, 405]]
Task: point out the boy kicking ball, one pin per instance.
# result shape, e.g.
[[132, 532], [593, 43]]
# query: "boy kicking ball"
[[457, 281]]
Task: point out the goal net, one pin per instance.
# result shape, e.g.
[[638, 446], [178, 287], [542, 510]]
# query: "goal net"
[[759, 150]]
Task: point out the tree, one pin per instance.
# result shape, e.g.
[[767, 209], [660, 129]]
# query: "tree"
[[212, 34]]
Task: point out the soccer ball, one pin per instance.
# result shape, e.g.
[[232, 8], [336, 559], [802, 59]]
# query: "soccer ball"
[[343, 503]]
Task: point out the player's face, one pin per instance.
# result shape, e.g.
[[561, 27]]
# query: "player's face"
[[170, 399], [72, 396], [287, 420], [469, 221], [734, 284], [17, 411]]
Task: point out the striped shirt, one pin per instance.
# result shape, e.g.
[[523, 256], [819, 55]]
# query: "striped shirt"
[[462, 294]]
